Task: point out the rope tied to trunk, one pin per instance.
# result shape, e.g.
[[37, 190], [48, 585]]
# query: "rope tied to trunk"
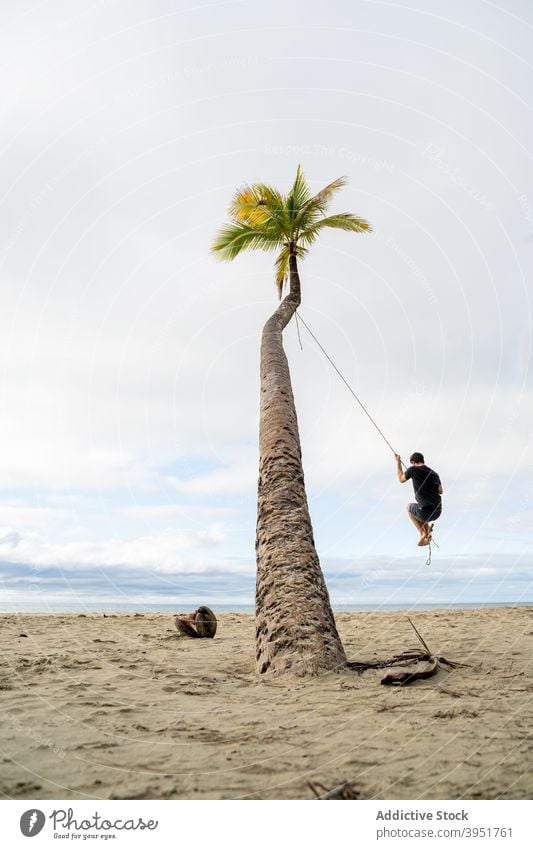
[[298, 318]]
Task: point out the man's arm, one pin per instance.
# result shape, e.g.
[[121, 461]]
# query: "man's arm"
[[440, 489], [401, 476]]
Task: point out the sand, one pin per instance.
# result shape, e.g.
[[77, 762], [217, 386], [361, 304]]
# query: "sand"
[[122, 707]]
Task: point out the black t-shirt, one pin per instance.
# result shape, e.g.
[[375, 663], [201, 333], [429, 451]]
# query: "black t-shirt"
[[426, 484]]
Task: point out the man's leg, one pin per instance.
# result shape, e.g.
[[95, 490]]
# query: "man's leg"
[[422, 527]]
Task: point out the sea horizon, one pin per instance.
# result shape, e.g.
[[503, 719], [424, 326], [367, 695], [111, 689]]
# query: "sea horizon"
[[181, 606]]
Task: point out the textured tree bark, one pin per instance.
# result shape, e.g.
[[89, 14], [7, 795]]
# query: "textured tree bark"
[[295, 628]]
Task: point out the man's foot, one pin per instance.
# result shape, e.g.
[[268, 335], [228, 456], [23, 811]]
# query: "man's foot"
[[426, 533]]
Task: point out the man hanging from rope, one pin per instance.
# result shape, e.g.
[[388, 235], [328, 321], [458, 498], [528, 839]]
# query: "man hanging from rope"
[[428, 491]]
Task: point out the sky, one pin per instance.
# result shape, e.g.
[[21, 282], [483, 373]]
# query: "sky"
[[129, 356]]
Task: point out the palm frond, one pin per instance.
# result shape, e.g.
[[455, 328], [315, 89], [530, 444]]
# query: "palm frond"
[[298, 196], [306, 217], [323, 197], [315, 207], [233, 238], [270, 195], [308, 234], [341, 221], [247, 208], [257, 204], [282, 269], [282, 264], [262, 218]]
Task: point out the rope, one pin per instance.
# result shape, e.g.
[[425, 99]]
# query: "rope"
[[349, 387], [299, 317], [298, 330], [428, 561]]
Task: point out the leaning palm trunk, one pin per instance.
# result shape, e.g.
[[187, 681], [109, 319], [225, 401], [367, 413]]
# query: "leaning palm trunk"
[[295, 625], [295, 628]]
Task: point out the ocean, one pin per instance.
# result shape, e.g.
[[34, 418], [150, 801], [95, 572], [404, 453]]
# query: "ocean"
[[62, 606]]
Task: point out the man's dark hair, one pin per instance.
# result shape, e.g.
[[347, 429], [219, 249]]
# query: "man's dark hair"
[[417, 457]]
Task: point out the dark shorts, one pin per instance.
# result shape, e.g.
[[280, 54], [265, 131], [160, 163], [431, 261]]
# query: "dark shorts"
[[425, 514]]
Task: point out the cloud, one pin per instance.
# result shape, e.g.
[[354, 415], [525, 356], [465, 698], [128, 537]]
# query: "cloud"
[[9, 538], [166, 512], [227, 481], [127, 352], [170, 551], [26, 516], [374, 581]]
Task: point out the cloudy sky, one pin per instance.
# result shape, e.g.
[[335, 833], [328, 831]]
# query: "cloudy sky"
[[129, 356]]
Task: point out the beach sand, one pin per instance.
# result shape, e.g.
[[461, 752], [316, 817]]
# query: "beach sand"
[[122, 707]]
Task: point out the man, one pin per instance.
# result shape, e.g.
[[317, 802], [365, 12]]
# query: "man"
[[428, 491]]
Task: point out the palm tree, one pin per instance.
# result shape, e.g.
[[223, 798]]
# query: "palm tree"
[[295, 628]]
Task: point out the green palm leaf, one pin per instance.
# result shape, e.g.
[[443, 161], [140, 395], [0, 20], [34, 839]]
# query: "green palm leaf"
[[234, 238], [262, 218], [298, 196], [257, 204], [341, 221], [282, 268], [323, 197], [282, 264]]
